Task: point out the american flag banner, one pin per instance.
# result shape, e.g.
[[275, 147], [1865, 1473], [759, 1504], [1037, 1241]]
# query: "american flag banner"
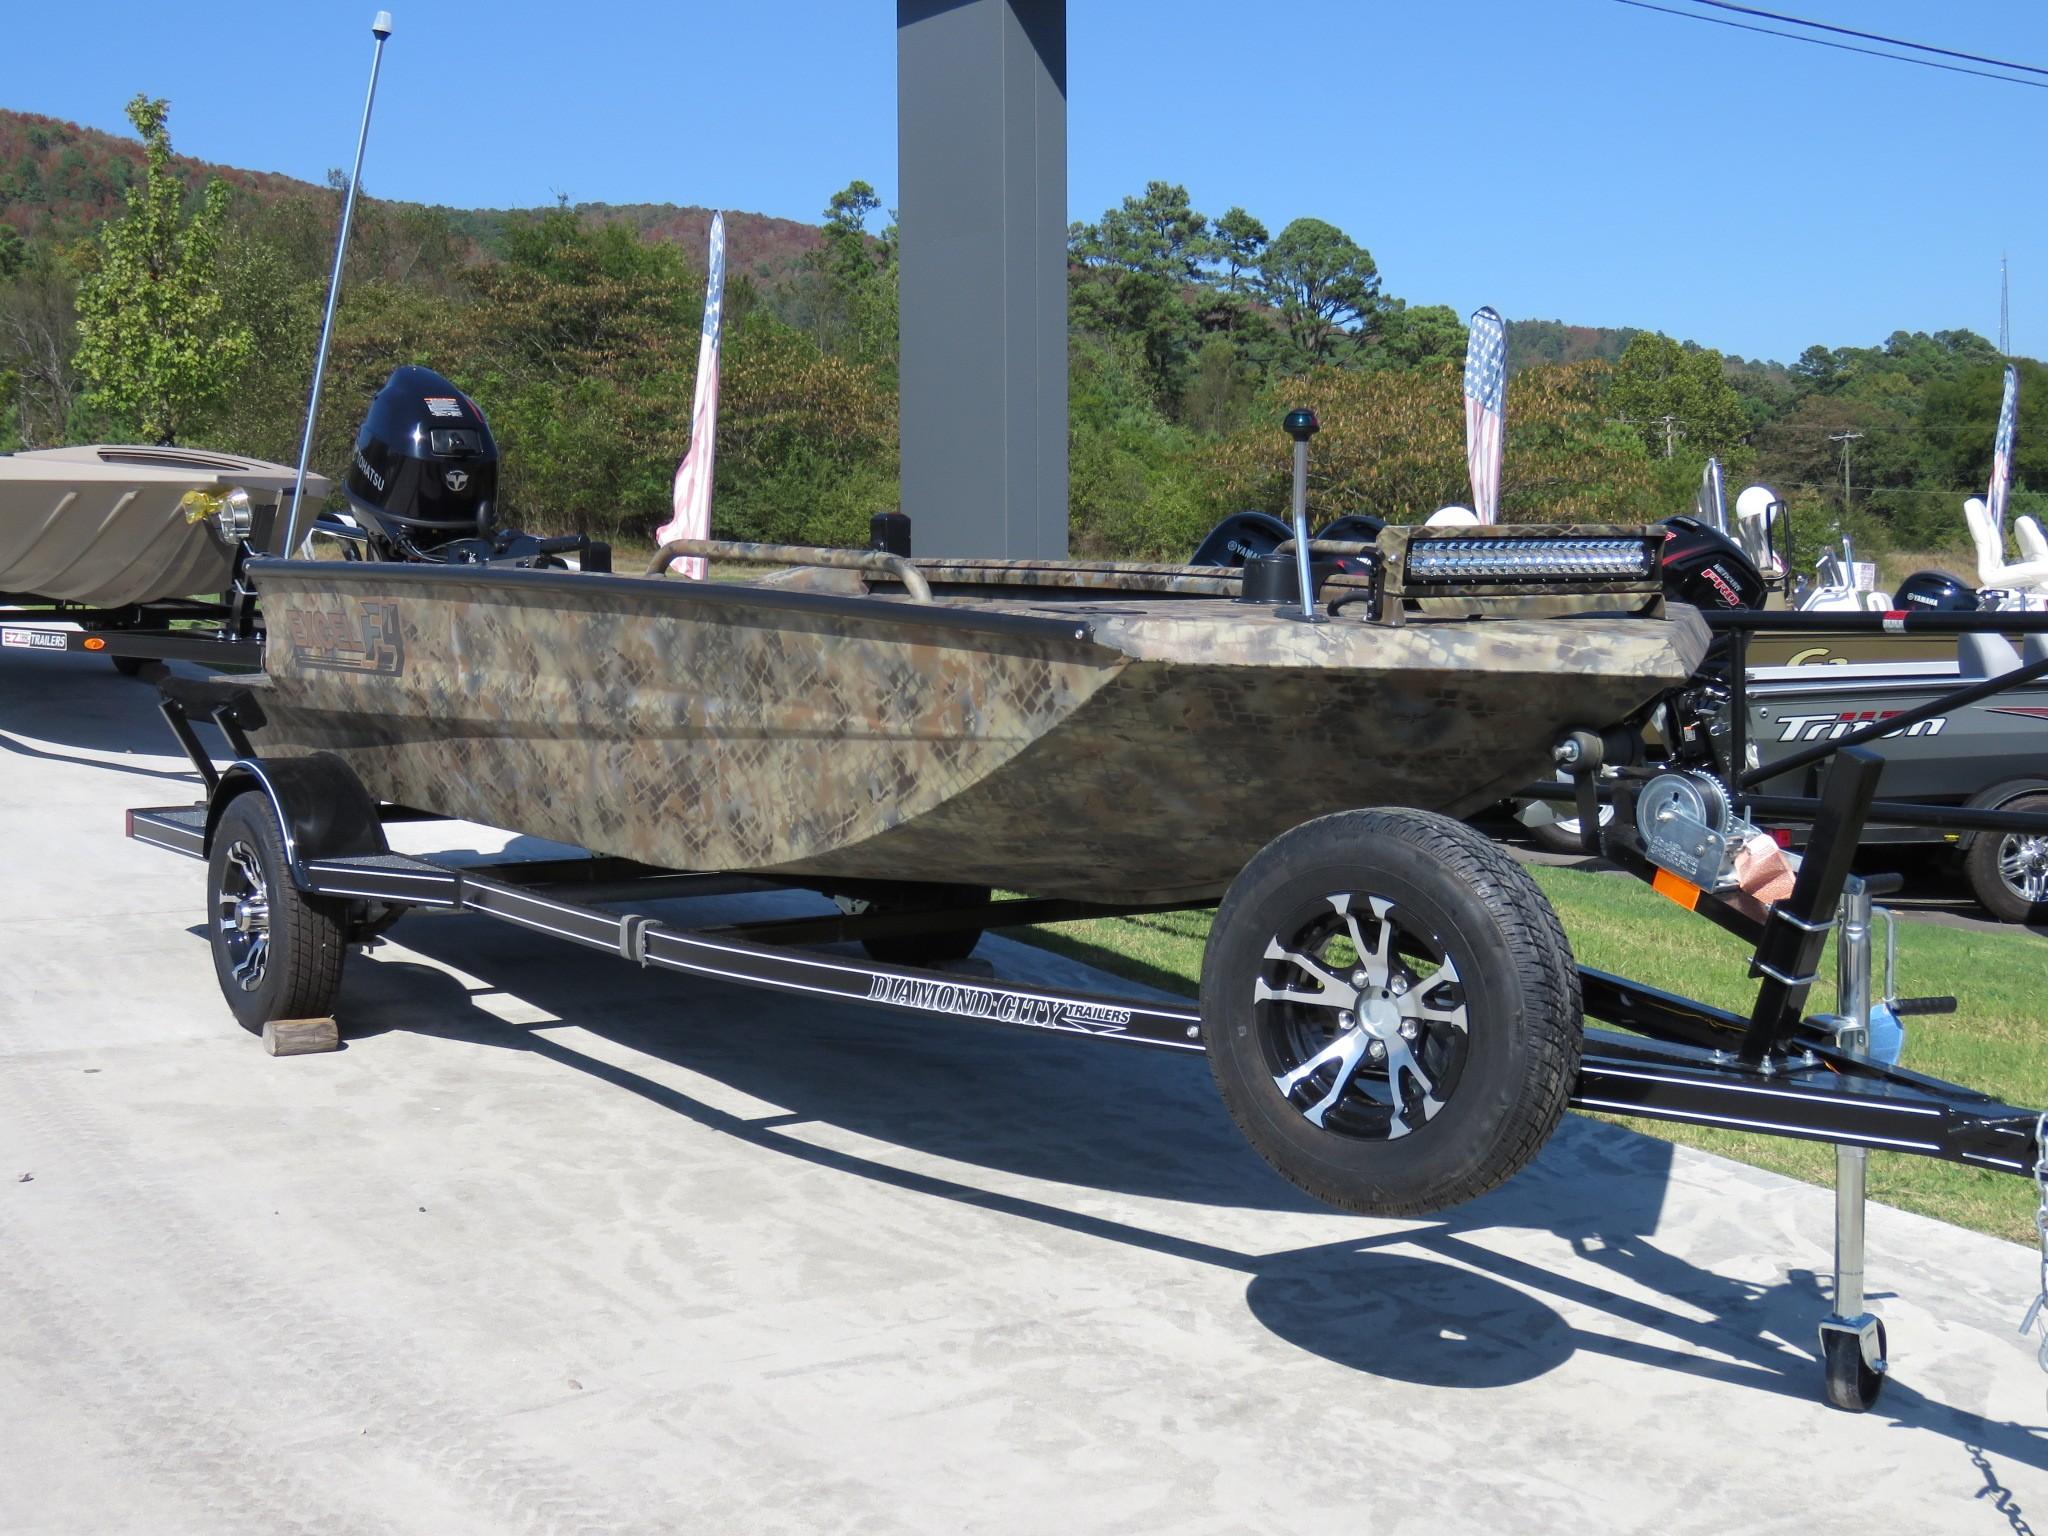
[[2001, 452], [692, 489], [1486, 410]]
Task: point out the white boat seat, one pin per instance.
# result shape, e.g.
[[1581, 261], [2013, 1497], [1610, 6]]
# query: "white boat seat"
[[1992, 570], [1452, 517], [1985, 656], [2032, 542]]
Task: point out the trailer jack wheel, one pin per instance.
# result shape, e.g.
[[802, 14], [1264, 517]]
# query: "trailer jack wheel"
[[1391, 1010], [1852, 1354], [276, 953]]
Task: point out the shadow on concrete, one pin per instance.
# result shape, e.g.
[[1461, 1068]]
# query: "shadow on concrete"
[[1428, 1303], [78, 702]]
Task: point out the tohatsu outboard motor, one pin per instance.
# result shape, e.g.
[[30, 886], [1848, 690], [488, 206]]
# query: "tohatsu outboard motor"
[[422, 483]]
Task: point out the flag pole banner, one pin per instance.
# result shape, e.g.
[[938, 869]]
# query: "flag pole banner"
[[2001, 453], [1486, 397], [692, 488]]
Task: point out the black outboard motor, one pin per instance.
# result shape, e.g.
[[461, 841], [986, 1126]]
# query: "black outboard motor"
[[424, 473], [1706, 568], [1935, 592], [1241, 538], [423, 482], [1352, 528]]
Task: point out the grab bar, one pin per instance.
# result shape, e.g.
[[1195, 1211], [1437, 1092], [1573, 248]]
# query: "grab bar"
[[912, 578]]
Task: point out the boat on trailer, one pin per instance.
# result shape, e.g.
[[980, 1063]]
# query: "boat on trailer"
[[131, 550], [1390, 1008]]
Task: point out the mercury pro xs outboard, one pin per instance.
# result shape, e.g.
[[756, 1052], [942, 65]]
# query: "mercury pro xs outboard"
[[422, 484]]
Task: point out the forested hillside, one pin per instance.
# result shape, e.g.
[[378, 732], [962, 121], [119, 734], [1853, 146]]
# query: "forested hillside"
[[576, 328]]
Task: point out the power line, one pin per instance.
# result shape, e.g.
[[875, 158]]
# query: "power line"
[[1871, 37], [1821, 42]]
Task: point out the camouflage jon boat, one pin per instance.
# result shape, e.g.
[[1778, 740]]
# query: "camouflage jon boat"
[[1102, 732]]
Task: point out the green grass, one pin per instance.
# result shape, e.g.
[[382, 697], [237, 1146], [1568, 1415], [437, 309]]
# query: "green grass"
[[1990, 1043]]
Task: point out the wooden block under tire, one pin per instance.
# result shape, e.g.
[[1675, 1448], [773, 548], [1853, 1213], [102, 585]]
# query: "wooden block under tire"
[[300, 1037]]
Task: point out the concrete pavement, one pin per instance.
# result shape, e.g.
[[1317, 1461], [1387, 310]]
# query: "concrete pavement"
[[556, 1245]]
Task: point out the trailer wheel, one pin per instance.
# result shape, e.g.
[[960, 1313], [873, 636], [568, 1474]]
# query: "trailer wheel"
[[2008, 873], [1562, 834], [1853, 1384], [1391, 1009], [276, 954], [940, 947]]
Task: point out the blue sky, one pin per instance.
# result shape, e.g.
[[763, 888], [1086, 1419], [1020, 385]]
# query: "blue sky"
[[1568, 159]]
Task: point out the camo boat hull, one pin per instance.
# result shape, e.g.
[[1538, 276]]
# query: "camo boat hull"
[[1124, 747]]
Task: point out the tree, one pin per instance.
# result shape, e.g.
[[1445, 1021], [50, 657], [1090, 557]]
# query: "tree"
[[1238, 241], [155, 343], [1415, 338], [1323, 283], [1658, 378]]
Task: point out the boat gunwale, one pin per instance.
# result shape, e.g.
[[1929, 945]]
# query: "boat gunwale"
[[896, 612]]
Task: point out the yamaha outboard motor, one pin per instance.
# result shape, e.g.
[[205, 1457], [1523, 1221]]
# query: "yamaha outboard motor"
[[1936, 592], [423, 482], [1241, 538], [1706, 568]]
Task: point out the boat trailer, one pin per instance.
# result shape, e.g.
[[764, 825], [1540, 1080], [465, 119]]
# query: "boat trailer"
[[1775, 1071]]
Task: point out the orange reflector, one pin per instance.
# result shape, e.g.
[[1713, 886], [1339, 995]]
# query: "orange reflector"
[[95, 643], [1671, 888], [1782, 836]]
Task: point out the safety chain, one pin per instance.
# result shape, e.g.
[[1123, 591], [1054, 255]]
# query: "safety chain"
[[2038, 1311]]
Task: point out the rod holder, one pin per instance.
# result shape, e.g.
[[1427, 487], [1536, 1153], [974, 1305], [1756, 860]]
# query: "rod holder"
[[1301, 425]]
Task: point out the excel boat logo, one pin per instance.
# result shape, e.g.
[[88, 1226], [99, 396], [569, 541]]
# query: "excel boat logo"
[[356, 636], [1841, 722], [998, 1006]]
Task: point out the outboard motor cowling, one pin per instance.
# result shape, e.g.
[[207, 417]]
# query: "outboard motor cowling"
[[424, 473], [1935, 592], [1706, 568], [1241, 538]]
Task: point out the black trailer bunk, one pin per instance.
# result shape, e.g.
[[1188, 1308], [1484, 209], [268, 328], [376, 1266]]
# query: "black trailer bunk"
[[1776, 1071]]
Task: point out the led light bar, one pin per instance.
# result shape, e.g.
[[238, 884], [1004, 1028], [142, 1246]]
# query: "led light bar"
[[1529, 559]]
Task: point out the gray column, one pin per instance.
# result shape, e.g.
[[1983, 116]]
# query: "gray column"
[[982, 207]]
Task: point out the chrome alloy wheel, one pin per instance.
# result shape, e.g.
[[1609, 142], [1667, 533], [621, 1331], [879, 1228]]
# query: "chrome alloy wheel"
[[1362, 1018], [2023, 866], [242, 912]]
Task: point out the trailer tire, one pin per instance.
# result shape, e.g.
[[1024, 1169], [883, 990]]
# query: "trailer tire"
[[1438, 1045], [2008, 871], [1561, 835], [941, 947], [276, 953]]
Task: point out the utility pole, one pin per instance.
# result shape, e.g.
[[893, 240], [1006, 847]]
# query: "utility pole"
[[1845, 439], [1671, 434]]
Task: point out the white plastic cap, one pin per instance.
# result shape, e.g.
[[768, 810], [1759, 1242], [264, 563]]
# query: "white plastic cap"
[[382, 25]]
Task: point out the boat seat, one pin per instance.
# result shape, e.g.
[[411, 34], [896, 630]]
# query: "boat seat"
[[1992, 569], [1985, 656], [1452, 517], [2027, 534]]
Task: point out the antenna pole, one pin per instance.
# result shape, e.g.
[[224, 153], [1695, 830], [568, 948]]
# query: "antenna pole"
[[295, 525], [2004, 313]]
